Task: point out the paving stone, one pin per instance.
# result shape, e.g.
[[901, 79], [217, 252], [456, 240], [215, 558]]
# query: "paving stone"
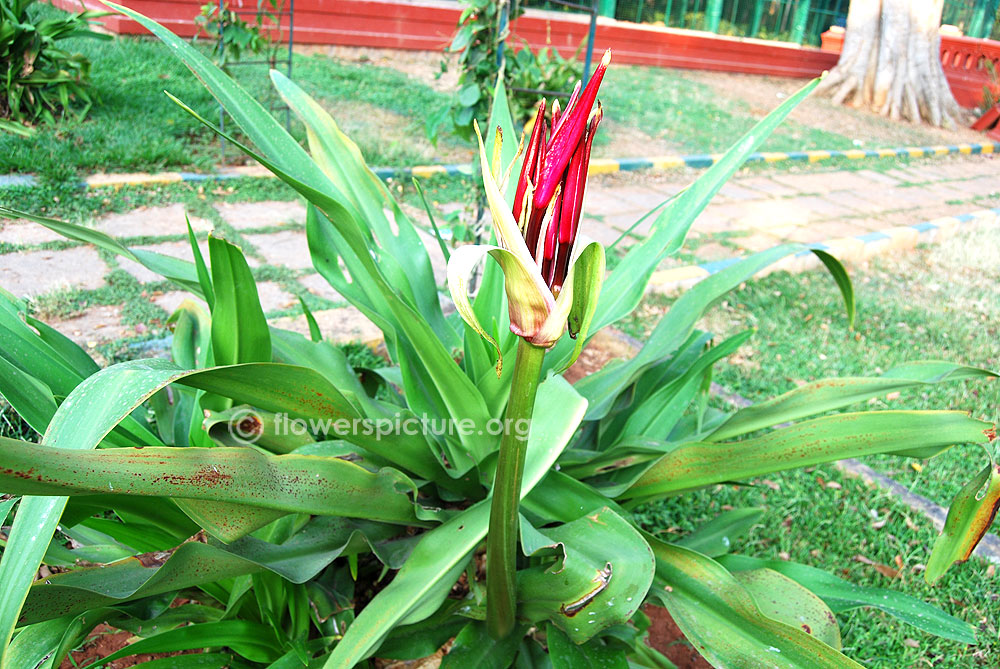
[[737, 192], [860, 201], [247, 215], [94, 326], [984, 186], [713, 251], [26, 233], [151, 222], [914, 196], [822, 207], [632, 198], [180, 250], [973, 167], [763, 214], [171, 300], [319, 287], [946, 191], [876, 176], [710, 221], [758, 241], [765, 185], [821, 182], [274, 298], [37, 272], [599, 231], [287, 248], [601, 201], [438, 263], [818, 232], [344, 324]]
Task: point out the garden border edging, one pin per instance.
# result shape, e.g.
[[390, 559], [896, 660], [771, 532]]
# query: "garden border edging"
[[597, 165]]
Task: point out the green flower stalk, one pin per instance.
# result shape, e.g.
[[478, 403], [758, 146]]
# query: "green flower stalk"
[[538, 251]]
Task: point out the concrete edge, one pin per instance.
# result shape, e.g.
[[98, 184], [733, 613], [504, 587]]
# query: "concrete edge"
[[846, 249], [597, 165]]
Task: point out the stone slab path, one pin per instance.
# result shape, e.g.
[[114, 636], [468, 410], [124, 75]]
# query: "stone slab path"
[[95, 298]]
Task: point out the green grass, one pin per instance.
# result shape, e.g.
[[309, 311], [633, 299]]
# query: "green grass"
[[939, 303], [134, 127], [667, 104]]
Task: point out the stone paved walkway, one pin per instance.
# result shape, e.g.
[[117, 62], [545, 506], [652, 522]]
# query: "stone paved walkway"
[[78, 289]]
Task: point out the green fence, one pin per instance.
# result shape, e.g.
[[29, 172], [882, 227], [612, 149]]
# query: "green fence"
[[800, 21]]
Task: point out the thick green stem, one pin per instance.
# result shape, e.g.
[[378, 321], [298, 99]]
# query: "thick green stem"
[[501, 542]]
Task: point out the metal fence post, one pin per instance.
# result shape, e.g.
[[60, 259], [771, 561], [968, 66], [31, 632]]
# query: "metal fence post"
[[800, 20], [758, 14], [713, 14], [981, 21], [607, 7]]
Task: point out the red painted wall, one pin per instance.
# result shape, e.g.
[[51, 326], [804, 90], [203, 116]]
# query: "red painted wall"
[[430, 24]]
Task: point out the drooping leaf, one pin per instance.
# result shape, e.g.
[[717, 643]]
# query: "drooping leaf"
[[565, 654], [969, 518], [830, 394], [473, 647], [841, 595], [602, 387], [696, 464], [722, 620], [193, 563]]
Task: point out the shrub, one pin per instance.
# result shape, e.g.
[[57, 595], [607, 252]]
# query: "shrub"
[[42, 80]]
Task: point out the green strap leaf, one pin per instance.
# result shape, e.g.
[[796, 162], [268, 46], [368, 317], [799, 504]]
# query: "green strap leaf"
[[243, 476], [626, 286], [438, 559], [587, 276], [253, 641], [722, 619], [841, 595], [603, 387], [239, 329], [181, 272], [782, 599], [831, 394], [474, 647], [565, 654], [697, 464]]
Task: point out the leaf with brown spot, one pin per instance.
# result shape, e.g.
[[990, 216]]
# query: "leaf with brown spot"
[[970, 516]]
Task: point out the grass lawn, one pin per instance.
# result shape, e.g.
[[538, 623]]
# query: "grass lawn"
[[649, 111], [939, 303]]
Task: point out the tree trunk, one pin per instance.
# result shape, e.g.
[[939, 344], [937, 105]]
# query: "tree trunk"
[[891, 62]]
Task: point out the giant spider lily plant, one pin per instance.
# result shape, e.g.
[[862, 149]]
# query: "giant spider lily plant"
[[286, 545]]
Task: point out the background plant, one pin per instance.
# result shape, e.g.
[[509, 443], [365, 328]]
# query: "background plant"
[[481, 45], [235, 35], [281, 549], [42, 80]]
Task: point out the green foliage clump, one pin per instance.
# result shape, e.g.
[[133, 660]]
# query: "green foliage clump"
[[42, 80]]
